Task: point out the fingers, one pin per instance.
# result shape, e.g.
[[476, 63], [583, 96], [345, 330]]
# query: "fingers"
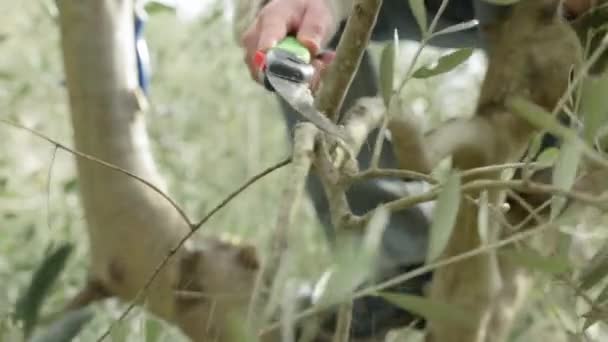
[[311, 19], [272, 24], [320, 64], [315, 26]]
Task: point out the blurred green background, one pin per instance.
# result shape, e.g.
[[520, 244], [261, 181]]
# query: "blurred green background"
[[211, 128]]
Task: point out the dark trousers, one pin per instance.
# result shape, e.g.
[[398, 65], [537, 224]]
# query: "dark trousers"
[[405, 239]]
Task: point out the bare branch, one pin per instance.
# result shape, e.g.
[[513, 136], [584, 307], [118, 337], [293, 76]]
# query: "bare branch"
[[349, 53]]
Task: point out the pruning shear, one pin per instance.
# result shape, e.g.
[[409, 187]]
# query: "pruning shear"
[[286, 69]]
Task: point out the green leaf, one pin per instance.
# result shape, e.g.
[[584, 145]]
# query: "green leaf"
[[419, 12], [444, 217], [354, 262], [159, 6], [596, 269], [445, 63], [549, 156], [483, 218], [594, 105], [555, 264], [430, 309], [539, 117], [564, 173], [387, 70], [467, 25], [71, 185], [5, 75], [66, 328], [153, 329], [28, 305]]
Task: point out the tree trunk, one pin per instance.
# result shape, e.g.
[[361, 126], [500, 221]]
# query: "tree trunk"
[[131, 227]]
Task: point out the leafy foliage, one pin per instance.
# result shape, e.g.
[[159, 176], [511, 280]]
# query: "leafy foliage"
[[445, 215], [29, 304], [445, 63]]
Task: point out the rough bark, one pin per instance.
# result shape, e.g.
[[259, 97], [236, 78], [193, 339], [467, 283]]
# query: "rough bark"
[[131, 227]]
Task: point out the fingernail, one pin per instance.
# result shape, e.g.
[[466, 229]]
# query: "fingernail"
[[259, 60]]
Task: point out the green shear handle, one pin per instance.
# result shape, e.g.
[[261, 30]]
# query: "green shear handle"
[[290, 60]]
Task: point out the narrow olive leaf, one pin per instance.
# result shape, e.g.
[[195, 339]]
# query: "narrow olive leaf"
[[552, 265], [549, 156], [483, 218], [467, 25], [239, 332], [28, 305], [387, 71], [430, 309], [594, 105], [601, 299], [354, 261], [65, 328], [444, 217], [564, 173], [419, 11], [445, 63], [153, 329], [596, 269], [533, 150], [5, 75], [539, 117], [159, 6]]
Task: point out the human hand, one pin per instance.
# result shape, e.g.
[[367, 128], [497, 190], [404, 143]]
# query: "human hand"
[[311, 21]]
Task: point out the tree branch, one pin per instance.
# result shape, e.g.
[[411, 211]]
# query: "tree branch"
[[337, 81]]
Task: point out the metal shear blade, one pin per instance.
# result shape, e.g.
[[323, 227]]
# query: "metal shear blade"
[[299, 97]]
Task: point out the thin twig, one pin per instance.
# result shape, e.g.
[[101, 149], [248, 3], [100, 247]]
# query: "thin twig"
[[392, 173], [428, 34], [479, 185], [79, 154], [48, 186]]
